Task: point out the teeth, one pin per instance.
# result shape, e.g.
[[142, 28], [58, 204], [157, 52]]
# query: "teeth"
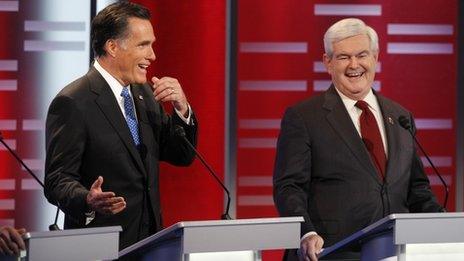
[[143, 66], [354, 74]]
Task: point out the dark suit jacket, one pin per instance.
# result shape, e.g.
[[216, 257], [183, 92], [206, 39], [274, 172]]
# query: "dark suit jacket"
[[323, 171], [87, 136]]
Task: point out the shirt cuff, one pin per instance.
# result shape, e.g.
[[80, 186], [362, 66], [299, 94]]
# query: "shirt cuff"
[[188, 119], [89, 216], [310, 233]]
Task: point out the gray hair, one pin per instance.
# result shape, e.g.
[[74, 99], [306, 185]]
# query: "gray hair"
[[346, 28]]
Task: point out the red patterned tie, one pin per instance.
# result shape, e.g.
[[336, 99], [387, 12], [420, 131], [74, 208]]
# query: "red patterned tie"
[[371, 137]]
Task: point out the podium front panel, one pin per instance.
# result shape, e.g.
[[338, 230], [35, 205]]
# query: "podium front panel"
[[241, 237]]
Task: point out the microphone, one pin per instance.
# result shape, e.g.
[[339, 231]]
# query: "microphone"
[[181, 132], [53, 226], [406, 124]]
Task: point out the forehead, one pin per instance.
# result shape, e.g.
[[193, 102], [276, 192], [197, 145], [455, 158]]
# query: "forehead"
[[353, 44], [140, 29]]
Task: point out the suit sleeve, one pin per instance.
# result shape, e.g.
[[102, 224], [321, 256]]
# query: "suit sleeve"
[[292, 171], [173, 148], [420, 197], [65, 143]]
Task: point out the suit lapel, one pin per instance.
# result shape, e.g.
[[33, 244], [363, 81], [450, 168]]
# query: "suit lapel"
[[141, 109], [340, 120], [110, 108], [391, 129]]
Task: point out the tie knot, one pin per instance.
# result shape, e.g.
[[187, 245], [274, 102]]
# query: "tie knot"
[[125, 92], [362, 105]]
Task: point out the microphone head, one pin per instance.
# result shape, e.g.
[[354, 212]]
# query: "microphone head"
[[53, 227], [404, 122], [179, 130]]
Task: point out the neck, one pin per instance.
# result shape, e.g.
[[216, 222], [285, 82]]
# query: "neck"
[[109, 65]]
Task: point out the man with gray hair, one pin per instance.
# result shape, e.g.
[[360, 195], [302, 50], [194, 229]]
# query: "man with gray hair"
[[343, 160]]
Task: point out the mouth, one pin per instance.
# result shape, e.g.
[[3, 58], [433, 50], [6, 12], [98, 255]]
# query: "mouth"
[[143, 67], [354, 75]]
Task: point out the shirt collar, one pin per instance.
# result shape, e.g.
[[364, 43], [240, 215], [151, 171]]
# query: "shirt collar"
[[350, 103]]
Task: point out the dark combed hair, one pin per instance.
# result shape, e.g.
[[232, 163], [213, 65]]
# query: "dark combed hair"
[[112, 23]]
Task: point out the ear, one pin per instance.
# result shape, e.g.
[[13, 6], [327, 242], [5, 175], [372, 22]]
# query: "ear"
[[111, 47], [327, 63], [376, 56]]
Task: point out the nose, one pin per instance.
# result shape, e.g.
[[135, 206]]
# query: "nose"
[[354, 62], [151, 55]]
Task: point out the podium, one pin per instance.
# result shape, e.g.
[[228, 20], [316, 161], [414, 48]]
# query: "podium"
[[217, 240], [409, 237], [100, 243]]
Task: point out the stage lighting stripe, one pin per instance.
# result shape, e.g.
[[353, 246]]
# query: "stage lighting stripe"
[[257, 143], [9, 65], [259, 124], [419, 48], [40, 26], [43, 46], [274, 47], [9, 6], [347, 10], [256, 200], [291, 85], [420, 29], [323, 85]]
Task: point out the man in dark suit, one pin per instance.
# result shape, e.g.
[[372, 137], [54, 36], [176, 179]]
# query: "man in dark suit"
[[343, 161], [107, 131]]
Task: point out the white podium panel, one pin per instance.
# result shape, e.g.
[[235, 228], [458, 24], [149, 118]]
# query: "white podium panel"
[[221, 239]]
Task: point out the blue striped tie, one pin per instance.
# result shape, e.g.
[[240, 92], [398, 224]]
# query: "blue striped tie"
[[130, 115]]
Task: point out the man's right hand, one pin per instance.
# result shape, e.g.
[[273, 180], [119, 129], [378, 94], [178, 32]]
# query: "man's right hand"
[[11, 241], [310, 247], [104, 202]]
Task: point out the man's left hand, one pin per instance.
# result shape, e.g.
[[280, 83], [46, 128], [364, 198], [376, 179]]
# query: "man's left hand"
[[169, 89]]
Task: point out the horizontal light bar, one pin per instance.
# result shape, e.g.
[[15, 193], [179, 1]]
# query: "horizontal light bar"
[[420, 29], [323, 85], [43, 46], [419, 48], [9, 65], [9, 6], [259, 124], [256, 200], [274, 47], [291, 85], [257, 143], [41, 26], [8, 85], [7, 124], [347, 10]]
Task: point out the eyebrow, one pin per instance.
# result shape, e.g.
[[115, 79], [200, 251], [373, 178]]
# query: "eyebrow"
[[349, 55], [144, 42]]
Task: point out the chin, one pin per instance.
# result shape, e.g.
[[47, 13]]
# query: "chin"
[[141, 80]]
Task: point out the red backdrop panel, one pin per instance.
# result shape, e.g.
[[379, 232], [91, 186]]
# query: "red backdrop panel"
[[190, 46]]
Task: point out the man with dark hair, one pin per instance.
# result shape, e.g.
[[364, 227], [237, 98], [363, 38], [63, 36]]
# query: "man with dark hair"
[[107, 130]]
